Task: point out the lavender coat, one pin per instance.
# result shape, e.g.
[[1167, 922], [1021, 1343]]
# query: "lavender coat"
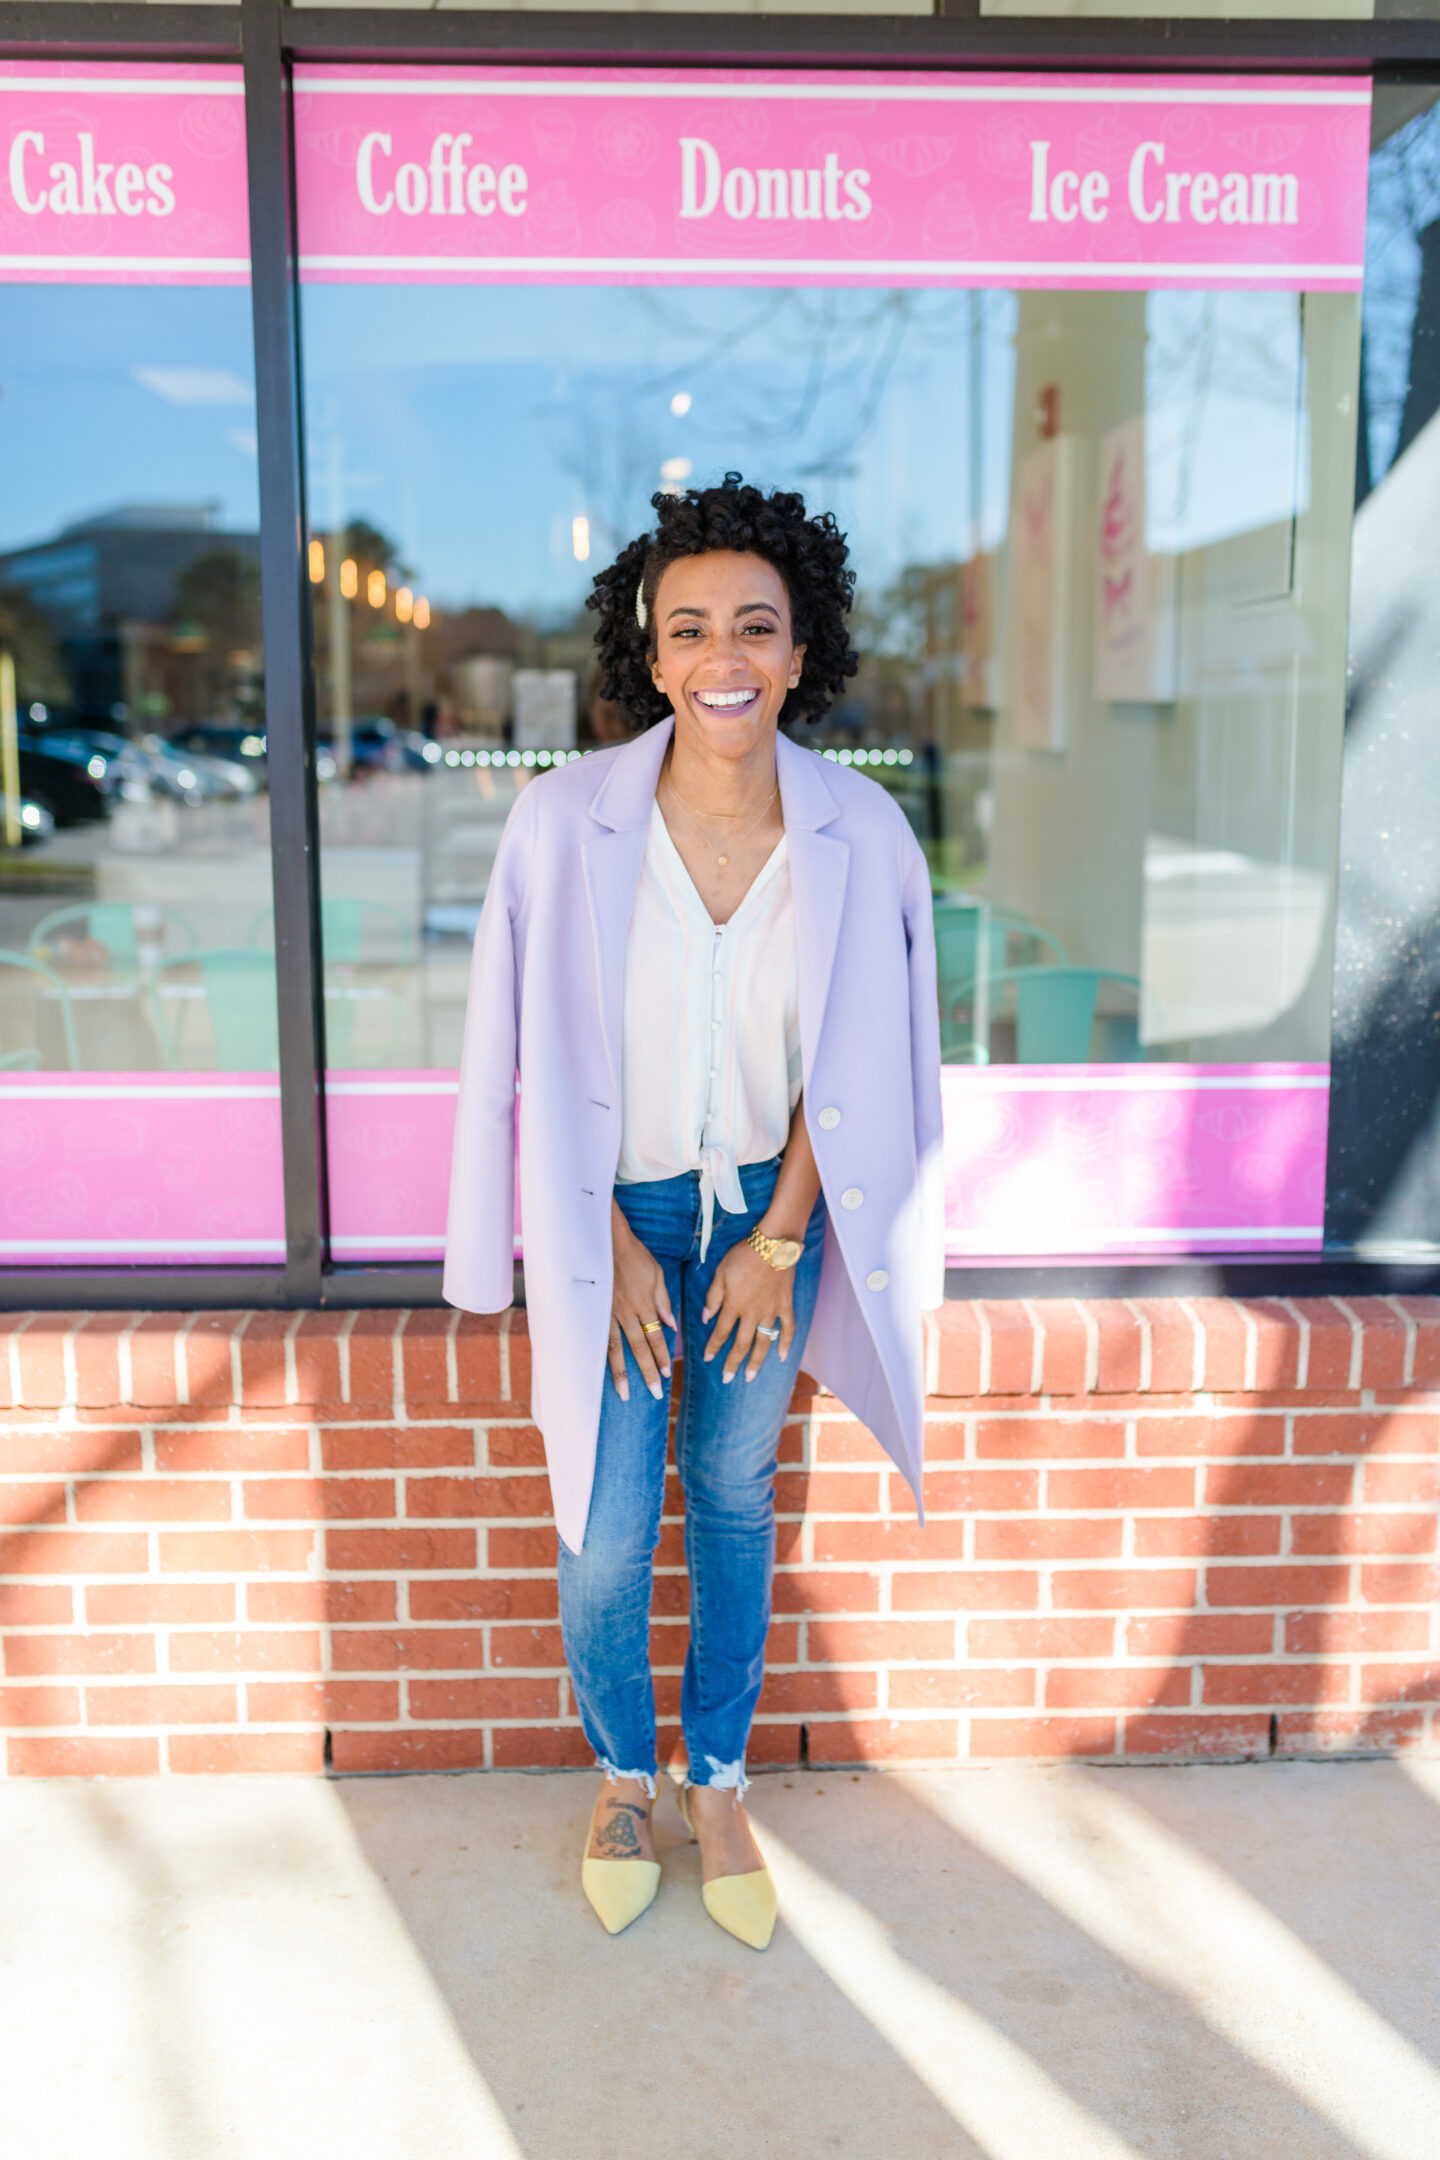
[[546, 993]]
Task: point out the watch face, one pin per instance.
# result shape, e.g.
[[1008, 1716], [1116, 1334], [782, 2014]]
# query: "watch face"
[[786, 1252]]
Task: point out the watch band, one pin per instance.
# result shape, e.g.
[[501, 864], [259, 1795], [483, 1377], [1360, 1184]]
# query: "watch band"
[[778, 1253]]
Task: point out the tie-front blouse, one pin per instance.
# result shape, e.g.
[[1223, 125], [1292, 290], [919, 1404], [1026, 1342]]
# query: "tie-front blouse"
[[711, 1066]]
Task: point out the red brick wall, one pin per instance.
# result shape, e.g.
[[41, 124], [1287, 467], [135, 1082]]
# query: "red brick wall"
[[1161, 1528]]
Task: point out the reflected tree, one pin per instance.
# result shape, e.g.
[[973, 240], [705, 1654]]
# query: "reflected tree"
[[25, 633]]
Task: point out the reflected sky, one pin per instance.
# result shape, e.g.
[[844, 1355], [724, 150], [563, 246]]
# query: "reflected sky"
[[109, 396], [474, 424], [1404, 200], [1223, 390]]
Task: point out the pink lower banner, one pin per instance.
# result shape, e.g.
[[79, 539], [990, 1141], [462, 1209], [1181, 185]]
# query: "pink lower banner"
[[1041, 1160], [1127, 1160], [140, 1168], [1118, 1161]]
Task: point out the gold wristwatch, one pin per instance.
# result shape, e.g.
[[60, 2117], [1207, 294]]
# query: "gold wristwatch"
[[779, 1252]]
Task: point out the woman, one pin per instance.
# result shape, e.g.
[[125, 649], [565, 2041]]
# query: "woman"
[[708, 955]]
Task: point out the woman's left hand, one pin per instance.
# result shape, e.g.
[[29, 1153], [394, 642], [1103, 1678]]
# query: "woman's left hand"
[[748, 1294]]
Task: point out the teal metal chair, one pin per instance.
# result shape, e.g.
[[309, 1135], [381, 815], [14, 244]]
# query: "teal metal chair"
[[42, 985], [344, 924], [964, 930], [236, 985], [1055, 1009], [112, 924]]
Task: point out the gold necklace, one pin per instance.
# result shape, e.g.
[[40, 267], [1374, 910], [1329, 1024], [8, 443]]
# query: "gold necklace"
[[690, 815]]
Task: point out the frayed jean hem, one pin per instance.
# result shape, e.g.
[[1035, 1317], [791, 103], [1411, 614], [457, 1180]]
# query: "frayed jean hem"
[[633, 1777], [724, 1777]]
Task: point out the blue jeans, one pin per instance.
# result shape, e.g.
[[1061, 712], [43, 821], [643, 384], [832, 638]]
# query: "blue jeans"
[[725, 1445]]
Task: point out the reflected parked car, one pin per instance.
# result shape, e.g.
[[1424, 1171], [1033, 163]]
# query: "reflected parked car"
[[376, 745], [234, 746], [61, 782], [152, 766], [182, 774], [117, 764]]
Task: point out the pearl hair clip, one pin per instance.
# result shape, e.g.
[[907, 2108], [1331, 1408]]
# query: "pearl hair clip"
[[641, 616]]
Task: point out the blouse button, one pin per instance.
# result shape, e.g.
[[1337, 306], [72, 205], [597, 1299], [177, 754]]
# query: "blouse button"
[[878, 1280], [853, 1198], [828, 1120]]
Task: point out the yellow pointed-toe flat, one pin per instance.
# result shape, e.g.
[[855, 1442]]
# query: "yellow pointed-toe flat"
[[744, 1905], [619, 1890]]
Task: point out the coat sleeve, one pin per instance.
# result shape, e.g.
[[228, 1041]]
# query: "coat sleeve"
[[480, 1231], [925, 1071]]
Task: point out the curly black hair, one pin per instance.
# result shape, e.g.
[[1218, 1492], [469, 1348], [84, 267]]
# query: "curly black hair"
[[808, 552]]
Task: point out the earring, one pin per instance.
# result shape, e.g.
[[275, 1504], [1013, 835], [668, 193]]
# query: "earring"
[[640, 615]]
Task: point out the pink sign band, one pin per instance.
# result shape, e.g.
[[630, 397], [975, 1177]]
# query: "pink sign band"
[[730, 177], [122, 175], [1041, 1161]]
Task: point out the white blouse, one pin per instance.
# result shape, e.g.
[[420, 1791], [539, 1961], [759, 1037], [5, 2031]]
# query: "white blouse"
[[711, 1068]]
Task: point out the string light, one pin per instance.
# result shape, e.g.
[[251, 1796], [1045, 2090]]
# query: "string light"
[[422, 613], [317, 562], [375, 588], [869, 757], [349, 578], [404, 604], [580, 538]]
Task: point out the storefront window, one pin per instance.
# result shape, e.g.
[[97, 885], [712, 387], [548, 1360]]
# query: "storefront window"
[[1077, 373], [139, 1116], [1384, 1185]]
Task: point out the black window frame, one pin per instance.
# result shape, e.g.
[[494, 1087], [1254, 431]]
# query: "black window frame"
[[268, 37]]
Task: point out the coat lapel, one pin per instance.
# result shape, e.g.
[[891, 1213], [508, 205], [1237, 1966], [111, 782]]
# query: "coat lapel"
[[612, 860], [819, 867]]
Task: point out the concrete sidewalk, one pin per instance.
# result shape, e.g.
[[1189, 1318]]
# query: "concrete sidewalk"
[[1215, 1964]]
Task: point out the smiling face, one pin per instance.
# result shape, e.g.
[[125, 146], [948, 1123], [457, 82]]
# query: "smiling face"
[[725, 654]]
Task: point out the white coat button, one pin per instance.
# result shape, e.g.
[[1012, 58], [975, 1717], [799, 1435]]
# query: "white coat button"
[[828, 1120], [853, 1198], [879, 1280]]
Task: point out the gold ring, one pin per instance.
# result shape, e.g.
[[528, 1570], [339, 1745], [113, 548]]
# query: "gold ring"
[[649, 1327]]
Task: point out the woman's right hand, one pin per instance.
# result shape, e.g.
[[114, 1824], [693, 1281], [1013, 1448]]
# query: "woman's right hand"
[[640, 1299]]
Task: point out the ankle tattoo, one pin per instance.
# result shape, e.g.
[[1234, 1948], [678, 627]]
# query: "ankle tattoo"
[[618, 1838]]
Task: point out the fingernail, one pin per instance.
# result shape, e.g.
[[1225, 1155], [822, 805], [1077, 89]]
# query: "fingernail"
[[749, 1376], [655, 1390], [624, 1391], [727, 1377]]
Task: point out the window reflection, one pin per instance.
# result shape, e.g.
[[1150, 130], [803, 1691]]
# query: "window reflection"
[[1101, 545], [129, 614], [1384, 1190]]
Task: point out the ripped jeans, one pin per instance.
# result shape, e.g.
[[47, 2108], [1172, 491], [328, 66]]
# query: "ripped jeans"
[[725, 1447]]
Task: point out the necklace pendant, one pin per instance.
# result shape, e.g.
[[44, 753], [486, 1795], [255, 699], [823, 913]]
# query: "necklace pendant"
[[723, 860]]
